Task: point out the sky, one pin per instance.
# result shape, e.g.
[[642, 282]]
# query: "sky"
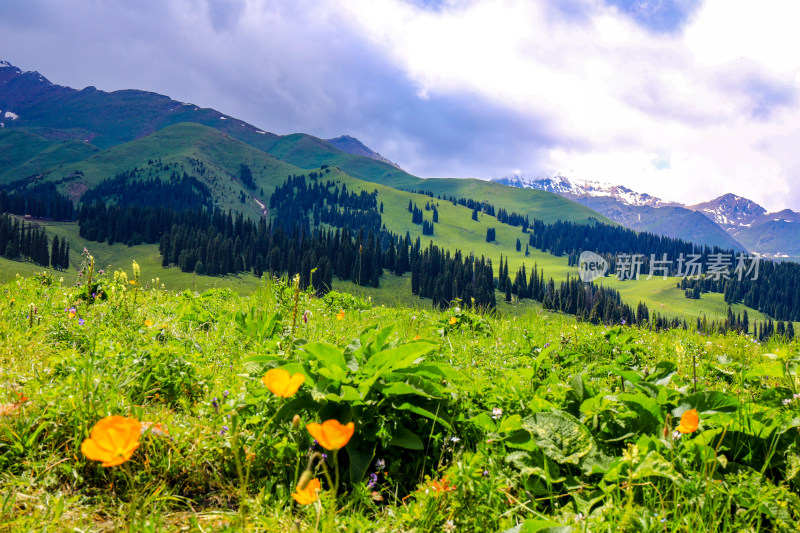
[[684, 100]]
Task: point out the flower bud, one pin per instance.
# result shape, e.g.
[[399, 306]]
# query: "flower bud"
[[305, 479], [296, 422]]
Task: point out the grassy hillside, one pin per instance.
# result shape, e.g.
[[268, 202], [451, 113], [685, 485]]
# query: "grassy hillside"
[[464, 422], [120, 256], [203, 152], [24, 154]]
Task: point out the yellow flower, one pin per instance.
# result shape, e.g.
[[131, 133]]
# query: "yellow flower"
[[148, 323], [132, 282], [453, 320], [689, 422], [309, 494], [113, 440], [281, 383], [331, 435], [340, 315]]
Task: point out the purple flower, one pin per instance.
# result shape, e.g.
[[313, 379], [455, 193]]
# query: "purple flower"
[[80, 321], [373, 480], [223, 430], [485, 472], [623, 322], [305, 316], [215, 405], [546, 345]]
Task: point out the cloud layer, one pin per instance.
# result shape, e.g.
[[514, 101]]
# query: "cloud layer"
[[676, 98]]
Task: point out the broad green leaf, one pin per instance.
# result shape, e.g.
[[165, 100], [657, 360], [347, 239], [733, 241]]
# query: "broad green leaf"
[[710, 402], [483, 421], [390, 360], [361, 452], [510, 423], [413, 385], [411, 407], [559, 435], [772, 370], [404, 438], [330, 356]]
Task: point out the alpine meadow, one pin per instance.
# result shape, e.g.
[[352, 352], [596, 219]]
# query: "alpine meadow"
[[207, 326]]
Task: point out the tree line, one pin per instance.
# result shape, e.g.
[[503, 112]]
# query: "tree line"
[[21, 242]]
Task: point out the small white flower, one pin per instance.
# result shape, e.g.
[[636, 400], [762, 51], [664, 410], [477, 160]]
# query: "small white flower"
[[455, 439], [449, 527], [787, 401], [497, 413]]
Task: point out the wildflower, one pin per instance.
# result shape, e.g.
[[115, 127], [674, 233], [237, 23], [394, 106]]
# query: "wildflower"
[[340, 315], [623, 322], [449, 527], [497, 413], [455, 439], [380, 464], [787, 401], [148, 323], [689, 422], [80, 321], [331, 435], [547, 345], [223, 430], [113, 440], [296, 421], [72, 312], [132, 282], [156, 428], [442, 486], [310, 494], [214, 404], [281, 383], [306, 314], [453, 320], [485, 472]]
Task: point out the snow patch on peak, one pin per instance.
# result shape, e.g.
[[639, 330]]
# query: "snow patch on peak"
[[5, 64], [573, 188], [12, 116]]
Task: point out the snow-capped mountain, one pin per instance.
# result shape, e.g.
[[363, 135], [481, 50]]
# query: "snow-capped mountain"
[[731, 210], [576, 188], [735, 221]]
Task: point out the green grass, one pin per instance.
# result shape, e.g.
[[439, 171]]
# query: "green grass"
[[534, 421], [120, 256]]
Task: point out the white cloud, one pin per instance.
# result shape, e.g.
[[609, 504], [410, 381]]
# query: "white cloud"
[[704, 98]]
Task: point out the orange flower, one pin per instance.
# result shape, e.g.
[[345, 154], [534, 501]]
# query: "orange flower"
[[331, 435], [689, 422], [340, 315], [281, 383], [442, 486], [309, 494], [453, 320], [113, 440], [156, 428], [148, 323]]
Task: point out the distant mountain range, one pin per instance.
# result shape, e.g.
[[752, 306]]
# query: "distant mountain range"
[[729, 221], [48, 129]]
